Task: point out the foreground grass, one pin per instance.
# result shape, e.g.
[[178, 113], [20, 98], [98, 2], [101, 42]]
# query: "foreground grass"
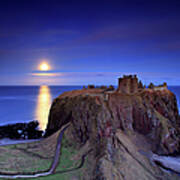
[[38, 156]]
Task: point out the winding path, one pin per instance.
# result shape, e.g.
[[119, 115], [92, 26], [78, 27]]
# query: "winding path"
[[53, 167]]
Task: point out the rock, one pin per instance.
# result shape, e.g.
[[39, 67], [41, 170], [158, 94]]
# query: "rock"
[[21, 131], [117, 125]]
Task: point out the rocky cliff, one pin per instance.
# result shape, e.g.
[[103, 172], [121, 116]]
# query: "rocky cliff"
[[120, 128]]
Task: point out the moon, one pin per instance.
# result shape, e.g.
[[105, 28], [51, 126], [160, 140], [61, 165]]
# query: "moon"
[[44, 66]]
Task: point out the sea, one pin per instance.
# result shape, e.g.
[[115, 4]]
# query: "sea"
[[22, 104], [19, 104]]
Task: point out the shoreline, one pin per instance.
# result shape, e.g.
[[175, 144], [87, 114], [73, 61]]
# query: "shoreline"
[[8, 141]]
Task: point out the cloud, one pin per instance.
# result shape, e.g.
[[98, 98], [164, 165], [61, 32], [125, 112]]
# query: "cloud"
[[157, 34], [46, 74], [85, 78]]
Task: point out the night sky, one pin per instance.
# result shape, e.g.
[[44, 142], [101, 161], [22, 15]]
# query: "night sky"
[[88, 42]]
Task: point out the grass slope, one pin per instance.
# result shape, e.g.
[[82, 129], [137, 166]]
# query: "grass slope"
[[38, 156]]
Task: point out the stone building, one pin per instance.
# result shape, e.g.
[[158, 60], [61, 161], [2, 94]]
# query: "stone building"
[[128, 84]]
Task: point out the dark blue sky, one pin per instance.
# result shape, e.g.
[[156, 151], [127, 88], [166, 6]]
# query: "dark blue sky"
[[89, 41]]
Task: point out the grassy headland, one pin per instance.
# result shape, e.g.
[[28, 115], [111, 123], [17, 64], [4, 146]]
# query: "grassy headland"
[[38, 156]]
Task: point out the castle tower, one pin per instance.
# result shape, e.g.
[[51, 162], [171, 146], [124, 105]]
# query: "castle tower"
[[128, 84], [124, 85], [134, 84]]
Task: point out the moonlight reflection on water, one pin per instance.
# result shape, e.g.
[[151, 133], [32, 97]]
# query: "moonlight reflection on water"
[[43, 106]]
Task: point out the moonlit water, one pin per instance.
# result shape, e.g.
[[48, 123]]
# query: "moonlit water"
[[43, 106], [27, 103]]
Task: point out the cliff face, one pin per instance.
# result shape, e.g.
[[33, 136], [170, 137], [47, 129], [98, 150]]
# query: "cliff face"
[[151, 113], [119, 126]]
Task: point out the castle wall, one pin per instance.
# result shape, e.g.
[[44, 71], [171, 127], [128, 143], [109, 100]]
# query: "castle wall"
[[160, 88], [134, 85]]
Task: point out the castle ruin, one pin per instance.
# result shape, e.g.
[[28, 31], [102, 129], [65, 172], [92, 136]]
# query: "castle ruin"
[[128, 84], [159, 87]]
